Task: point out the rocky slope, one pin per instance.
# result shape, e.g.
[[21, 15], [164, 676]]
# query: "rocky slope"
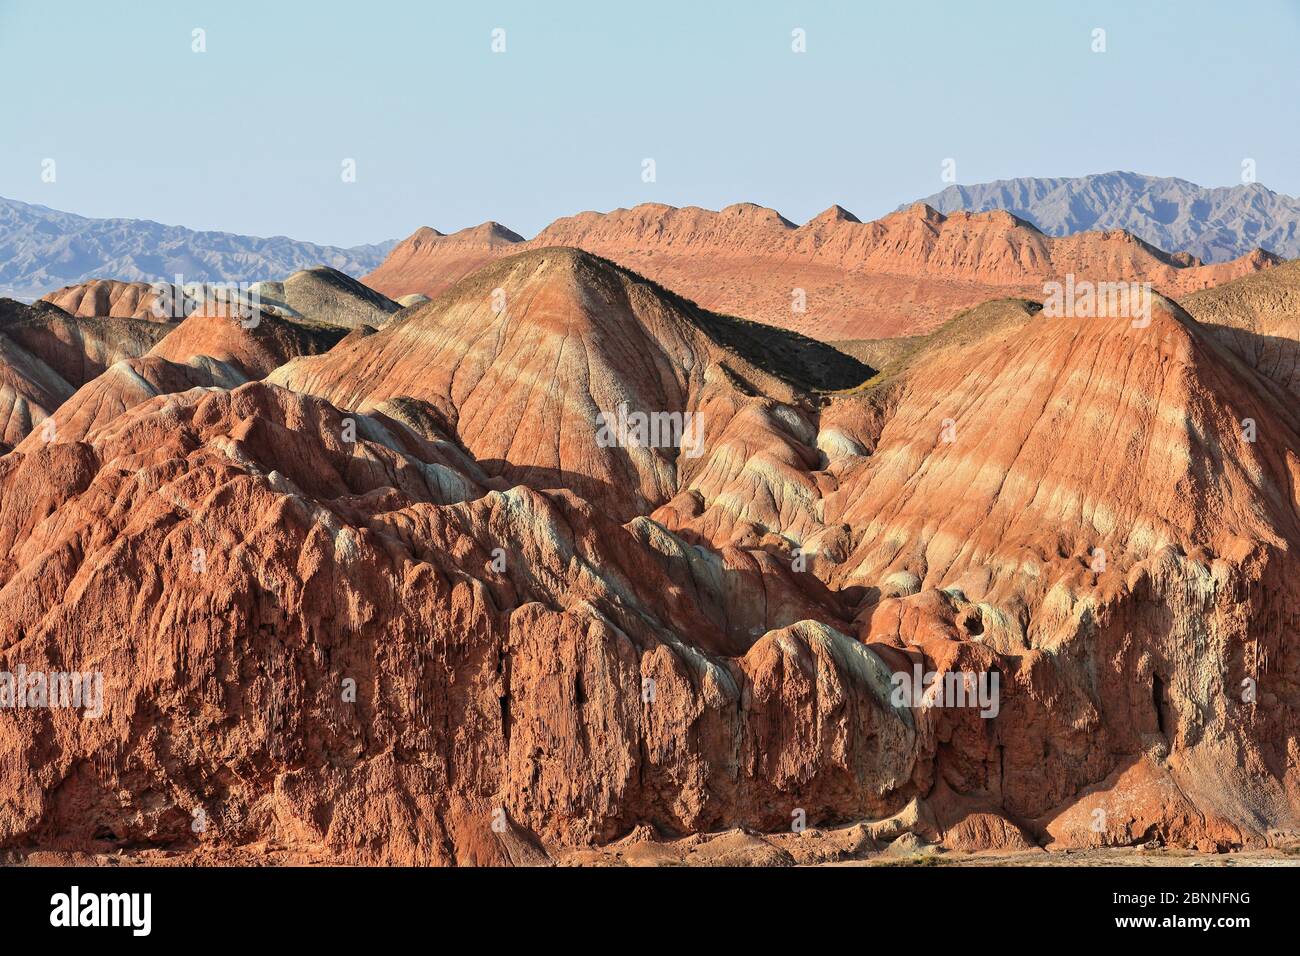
[[209, 349], [1215, 225], [968, 508], [831, 278], [1258, 318], [29, 392], [398, 603], [75, 347], [108, 346], [46, 354], [318, 296], [427, 262], [521, 358], [325, 296], [107, 298]]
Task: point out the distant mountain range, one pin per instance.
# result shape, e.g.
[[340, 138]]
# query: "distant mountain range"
[[1215, 225], [42, 250]]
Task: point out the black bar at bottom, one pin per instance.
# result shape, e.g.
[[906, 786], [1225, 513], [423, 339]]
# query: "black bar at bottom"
[[332, 906]]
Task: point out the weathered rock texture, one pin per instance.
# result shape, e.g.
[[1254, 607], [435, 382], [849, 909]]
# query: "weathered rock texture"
[[211, 348], [107, 298], [326, 296], [522, 358], [1258, 318], [46, 354], [76, 347], [396, 604]]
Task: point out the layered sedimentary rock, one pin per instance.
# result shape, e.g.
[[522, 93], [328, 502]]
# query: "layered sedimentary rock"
[[108, 347], [1088, 509], [325, 296], [29, 392], [76, 347], [403, 601], [1258, 318], [107, 298], [524, 358], [562, 695], [211, 348], [319, 295], [833, 277], [430, 262], [46, 354]]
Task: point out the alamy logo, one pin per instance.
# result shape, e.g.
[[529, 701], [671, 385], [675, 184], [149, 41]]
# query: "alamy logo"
[[22, 689], [623, 429], [232, 300], [924, 689], [1099, 300], [103, 909]]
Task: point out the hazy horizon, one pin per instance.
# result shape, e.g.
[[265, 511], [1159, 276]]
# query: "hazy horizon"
[[530, 235]]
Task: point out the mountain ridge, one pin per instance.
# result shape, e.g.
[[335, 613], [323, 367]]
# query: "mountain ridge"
[[1215, 223], [832, 278], [44, 249]]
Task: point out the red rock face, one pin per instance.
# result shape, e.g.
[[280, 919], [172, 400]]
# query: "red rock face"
[[29, 392], [76, 349], [832, 278], [46, 354], [504, 689], [1075, 504], [431, 260], [102, 298], [211, 348], [522, 359], [397, 603]]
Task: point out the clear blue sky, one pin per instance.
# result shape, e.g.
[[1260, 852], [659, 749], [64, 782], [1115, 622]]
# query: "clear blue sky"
[[250, 136]]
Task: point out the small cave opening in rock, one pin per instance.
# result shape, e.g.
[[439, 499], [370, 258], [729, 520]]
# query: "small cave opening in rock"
[[1160, 702], [579, 691], [973, 624], [504, 700]]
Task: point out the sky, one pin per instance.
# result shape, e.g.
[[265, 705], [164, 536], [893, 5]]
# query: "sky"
[[253, 134]]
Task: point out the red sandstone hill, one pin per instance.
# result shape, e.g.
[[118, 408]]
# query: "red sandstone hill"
[[46, 354], [76, 347], [903, 274], [397, 603], [320, 296], [106, 298], [209, 349], [522, 357], [29, 392], [452, 256], [966, 502]]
